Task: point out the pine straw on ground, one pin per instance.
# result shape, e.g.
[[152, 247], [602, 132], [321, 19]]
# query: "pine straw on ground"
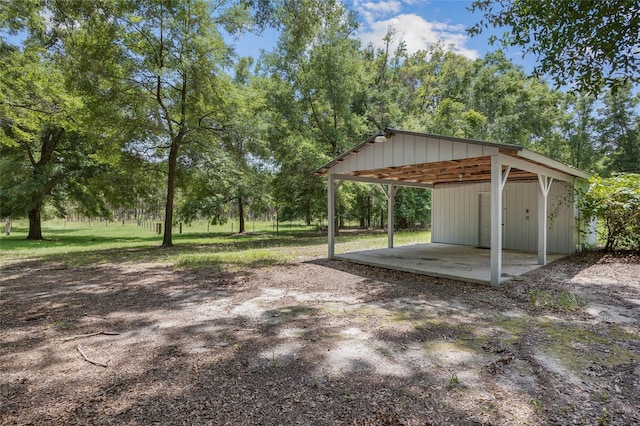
[[319, 342]]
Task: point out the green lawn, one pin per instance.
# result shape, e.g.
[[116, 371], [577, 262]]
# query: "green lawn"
[[199, 245]]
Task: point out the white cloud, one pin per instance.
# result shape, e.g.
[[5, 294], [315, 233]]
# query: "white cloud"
[[415, 31], [370, 10], [382, 6]]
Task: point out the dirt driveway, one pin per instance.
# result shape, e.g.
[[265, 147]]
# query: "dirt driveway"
[[318, 342]]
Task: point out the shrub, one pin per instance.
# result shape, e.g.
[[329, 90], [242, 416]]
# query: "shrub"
[[615, 202]]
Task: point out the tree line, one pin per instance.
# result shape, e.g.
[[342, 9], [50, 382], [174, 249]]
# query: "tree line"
[[107, 106]]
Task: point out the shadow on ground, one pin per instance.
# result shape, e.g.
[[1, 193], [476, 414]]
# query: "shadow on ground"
[[322, 342]]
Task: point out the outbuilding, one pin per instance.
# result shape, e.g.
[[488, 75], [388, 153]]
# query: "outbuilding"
[[485, 195]]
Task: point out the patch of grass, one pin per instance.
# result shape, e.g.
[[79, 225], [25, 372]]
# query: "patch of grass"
[[401, 317], [464, 335], [274, 360], [454, 382], [576, 347], [297, 311], [535, 404], [573, 346], [77, 243], [58, 325], [64, 237], [605, 418], [356, 242], [560, 301], [233, 260], [199, 246]]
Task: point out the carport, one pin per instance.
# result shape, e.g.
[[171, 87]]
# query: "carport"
[[470, 205]]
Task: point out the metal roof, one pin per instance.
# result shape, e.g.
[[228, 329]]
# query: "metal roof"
[[468, 169]]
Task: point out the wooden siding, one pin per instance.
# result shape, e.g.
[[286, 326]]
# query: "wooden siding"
[[410, 149], [456, 216]]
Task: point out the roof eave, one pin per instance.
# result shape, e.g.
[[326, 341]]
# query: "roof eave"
[[549, 162], [321, 171]]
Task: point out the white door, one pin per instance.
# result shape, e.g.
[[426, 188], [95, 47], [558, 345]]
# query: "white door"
[[485, 220], [484, 209]]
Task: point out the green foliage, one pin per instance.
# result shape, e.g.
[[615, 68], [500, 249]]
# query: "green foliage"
[[618, 129], [252, 258], [199, 246], [454, 382], [232, 175], [127, 94], [591, 43], [171, 56], [317, 89], [47, 157], [535, 404], [605, 418], [59, 325], [578, 130], [297, 192], [362, 203], [557, 301], [413, 208], [615, 202], [518, 109]]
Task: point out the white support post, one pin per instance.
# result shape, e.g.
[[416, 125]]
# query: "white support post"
[[498, 181], [391, 192], [544, 187], [331, 215]]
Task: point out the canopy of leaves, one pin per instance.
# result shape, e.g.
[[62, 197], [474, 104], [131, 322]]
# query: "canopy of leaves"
[[46, 156], [589, 43], [618, 130]]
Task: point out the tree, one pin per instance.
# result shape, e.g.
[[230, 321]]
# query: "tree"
[[317, 85], [580, 132], [173, 56], [592, 43], [619, 131], [518, 109], [387, 98], [237, 170], [413, 208], [452, 118], [45, 155], [246, 144], [433, 75]]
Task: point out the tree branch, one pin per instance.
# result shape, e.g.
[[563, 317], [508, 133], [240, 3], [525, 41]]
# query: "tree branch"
[[100, 364]]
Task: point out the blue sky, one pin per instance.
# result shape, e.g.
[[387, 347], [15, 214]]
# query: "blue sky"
[[417, 22]]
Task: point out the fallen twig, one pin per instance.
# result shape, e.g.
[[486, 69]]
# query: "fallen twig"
[[82, 336], [100, 364]]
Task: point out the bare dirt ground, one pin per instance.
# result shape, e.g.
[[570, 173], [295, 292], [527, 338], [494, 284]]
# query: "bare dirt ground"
[[318, 342]]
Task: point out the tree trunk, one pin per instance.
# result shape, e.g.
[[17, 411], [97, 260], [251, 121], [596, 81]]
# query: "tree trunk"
[[35, 223], [167, 239], [241, 215]]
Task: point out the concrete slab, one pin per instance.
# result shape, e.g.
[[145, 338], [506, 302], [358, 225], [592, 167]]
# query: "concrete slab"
[[448, 261]]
